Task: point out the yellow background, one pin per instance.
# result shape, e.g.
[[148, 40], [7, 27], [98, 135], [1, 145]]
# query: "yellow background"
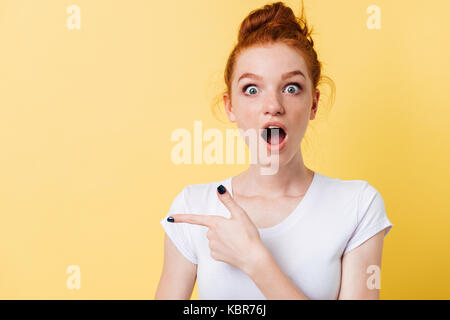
[[86, 118]]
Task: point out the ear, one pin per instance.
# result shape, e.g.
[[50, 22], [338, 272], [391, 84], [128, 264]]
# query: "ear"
[[228, 107], [315, 104]]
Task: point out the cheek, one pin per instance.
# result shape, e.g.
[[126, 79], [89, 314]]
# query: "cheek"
[[299, 102], [244, 123], [299, 107], [245, 112]]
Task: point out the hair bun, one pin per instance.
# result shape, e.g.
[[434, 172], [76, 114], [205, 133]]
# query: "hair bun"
[[275, 15], [271, 24]]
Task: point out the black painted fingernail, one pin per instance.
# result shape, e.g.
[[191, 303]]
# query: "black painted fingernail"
[[221, 189], [170, 219]]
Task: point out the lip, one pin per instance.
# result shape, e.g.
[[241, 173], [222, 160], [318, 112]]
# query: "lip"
[[276, 147]]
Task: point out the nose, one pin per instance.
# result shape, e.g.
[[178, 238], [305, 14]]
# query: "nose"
[[272, 105]]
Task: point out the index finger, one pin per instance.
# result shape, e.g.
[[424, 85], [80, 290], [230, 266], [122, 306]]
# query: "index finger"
[[204, 220]]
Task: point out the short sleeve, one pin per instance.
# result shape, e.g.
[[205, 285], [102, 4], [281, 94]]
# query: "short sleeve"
[[371, 218], [180, 233]]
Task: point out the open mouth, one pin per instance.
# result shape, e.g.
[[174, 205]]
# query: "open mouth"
[[273, 135]]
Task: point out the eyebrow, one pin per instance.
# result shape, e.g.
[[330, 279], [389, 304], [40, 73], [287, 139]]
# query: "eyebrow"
[[284, 76]]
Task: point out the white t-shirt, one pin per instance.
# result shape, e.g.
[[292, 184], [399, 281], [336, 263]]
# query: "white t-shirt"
[[334, 217]]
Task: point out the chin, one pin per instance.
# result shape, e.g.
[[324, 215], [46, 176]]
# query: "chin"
[[271, 158]]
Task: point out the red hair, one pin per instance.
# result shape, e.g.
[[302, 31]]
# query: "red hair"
[[272, 23]]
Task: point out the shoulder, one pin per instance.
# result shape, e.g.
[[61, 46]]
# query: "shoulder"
[[200, 190], [344, 189], [361, 199], [202, 197], [364, 193], [351, 197]]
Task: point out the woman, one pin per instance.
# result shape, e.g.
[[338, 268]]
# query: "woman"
[[295, 234]]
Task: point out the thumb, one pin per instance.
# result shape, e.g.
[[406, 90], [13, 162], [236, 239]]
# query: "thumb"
[[229, 202]]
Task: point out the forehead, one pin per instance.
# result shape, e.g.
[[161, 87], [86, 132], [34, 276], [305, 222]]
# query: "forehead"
[[270, 61]]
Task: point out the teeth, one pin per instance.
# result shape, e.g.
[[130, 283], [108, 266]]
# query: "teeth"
[[273, 127]]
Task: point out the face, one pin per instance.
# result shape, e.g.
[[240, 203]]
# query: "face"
[[271, 84]]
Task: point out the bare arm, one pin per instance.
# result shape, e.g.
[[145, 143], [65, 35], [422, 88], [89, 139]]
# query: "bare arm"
[[178, 275], [354, 270], [275, 285], [271, 280]]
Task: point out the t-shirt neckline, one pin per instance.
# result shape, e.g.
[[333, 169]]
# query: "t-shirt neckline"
[[299, 210]]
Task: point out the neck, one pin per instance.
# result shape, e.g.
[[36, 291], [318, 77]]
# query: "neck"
[[291, 179]]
